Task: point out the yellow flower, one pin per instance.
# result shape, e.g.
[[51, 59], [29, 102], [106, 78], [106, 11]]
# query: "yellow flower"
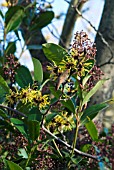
[[62, 122]]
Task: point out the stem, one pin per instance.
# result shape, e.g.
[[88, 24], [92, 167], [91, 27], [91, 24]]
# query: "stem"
[[29, 156], [13, 110], [57, 148], [74, 142], [69, 146], [75, 139]]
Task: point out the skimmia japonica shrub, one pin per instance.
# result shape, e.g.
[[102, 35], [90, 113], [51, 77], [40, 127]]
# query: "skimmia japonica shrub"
[[45, 119]]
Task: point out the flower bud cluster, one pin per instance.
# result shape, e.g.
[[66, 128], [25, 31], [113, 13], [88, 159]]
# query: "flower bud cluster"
[[10, 67]]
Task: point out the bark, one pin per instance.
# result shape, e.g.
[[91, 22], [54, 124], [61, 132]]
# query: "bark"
[[103, 53]]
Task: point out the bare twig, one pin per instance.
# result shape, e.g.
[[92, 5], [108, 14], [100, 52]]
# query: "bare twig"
[[13, 110], [69, 146]]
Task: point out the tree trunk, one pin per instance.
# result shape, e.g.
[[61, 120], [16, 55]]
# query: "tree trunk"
[[103, 54]]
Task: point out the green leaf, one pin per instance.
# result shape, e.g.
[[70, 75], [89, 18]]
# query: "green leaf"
[[3, 114], [35, 114], [85, 79], [23, 77], [22, 152], [4, 89], [38, 71], [11, 48], [1, 14], [42, 20], [92, 112], [54, 92], [13, 166], [90, 126], [86, 147], [34, 129], [93, 91], [50, 117], [13, 18], [69, 105], [6, 125], [24, 108], [20, 126], [54, 52]]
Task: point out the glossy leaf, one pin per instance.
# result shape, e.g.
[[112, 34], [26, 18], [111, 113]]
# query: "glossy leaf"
[[90, 126], [50, 117], [4, 124], [23, 77], [1, 14], [35, 114], [4, 89], [13, 18], [13, 166], [54, 52], [19, 125], [42, 20], [92, 112], [85, 79], [69, 105], [38, 71], [54, 92], [11, 48], [34, 129], [3, 114], [93, 91]]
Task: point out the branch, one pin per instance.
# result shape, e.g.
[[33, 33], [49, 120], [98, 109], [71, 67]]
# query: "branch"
[[13, 110], [69, 146]]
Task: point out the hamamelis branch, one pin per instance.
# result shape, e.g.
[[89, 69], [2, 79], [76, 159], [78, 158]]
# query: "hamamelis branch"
[[13, 110], [69, 146], [51, 134]]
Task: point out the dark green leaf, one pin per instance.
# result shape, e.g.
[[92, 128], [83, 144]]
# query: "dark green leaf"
[[69, 105], [24, 108], [1, 14], [93, 91], [90, 126], [42, 20], [23, 77], [50, 117], [13, 18], [34, 129], [35, 114], [54, 92], [54, 52], [38, 71], [11, 48], [6, 125], [20, 126], [4, 89], [13, 166], [92, 112], [3, 114]]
